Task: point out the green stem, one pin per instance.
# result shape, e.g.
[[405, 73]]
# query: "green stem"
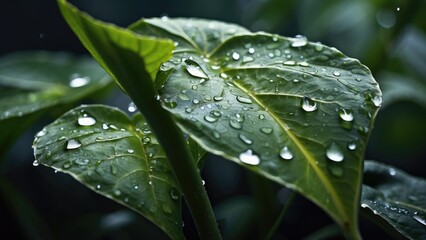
[[281, 215]]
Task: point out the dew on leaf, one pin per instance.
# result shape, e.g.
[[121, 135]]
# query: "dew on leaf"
[[182, 96], [245, 139], [266, 130], [299, 41], [245, 100], [334, 153], [235, 56], [247, 59], [73, 144], [308, 104], [210, 119], [289, 63], [132, 107], [286, 154], [130, 151], [77, 81], [196, 71], [377, 100], [251, 50], [248, 157], [86, 121], [336, 73], [303, 64], [352, 145], [41, 133], [346, 115], [36, 163], [392, 171]]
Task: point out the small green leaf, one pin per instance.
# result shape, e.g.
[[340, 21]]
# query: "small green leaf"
[[117, 157], [32, 82], [296, 112], [395, 200]]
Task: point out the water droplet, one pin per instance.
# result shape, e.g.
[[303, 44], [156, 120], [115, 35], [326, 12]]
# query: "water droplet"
[[98, 186], [77, 81], [398, 9], [36, 163], [392, 171], [299, 41], [174, 194], [105, 126], [308, 104], [117, 193], [261, 116], [336, 73], [248, 157], [247, 59], [234, 123], [73, 144], [242, 99], [41, 133], [303, 64], [82, 162], [351, 145], [245, 139], [146, 140], [135, 186], [132, 107], [235, 56], [286, 154], [223, 75], [386, 18], [377, 100], [419, 219], [346, 115], [130, 151], [319, 47], [196, 71], [251, 50], [210, 119], [266, 130], [86, 121], [289, 63], [334, 153], [196, 101]]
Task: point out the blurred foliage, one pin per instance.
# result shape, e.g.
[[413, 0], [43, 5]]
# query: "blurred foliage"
[[388, 36]]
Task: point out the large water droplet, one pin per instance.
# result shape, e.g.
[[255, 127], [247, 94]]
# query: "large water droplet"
[[346, 115], [248, 157], [73, 144], [334, 153], [245, 100], [86, 121], [245, 139], [286, 154], [77, 81], [299, 41], [196, 71], [308, 104]]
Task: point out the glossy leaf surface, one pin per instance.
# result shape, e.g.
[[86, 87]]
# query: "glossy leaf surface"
[[394, 199], [115, 156], [296, 112], [31, 82]]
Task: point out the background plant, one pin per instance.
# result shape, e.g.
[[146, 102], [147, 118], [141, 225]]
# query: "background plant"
[[404, 71]]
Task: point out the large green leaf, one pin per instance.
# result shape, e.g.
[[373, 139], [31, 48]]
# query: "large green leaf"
[[296, 112], [116, 156], [395, 200], [32, 82]]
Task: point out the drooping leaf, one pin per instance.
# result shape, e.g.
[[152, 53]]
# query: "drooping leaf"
[[296, 112], [395, 200], [32, 82], [115, 156]]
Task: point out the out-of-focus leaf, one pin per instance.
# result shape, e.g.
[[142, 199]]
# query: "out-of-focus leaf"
[[397, 88], [394, 200], [33, 82], [296, 112], [117, 157]]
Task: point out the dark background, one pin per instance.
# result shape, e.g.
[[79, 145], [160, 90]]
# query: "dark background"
[[385, 39]]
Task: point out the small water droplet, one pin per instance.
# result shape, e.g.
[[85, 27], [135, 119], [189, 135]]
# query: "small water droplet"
[[352, 145], [196, 101], [261, 116], [174, 194], [299, 41], [36, 163], [377, 100], [41, 133], [223, 75], [245, 100], [398, 9], [245, 139], [266, 130], [235, 56], [86, 121], [117, 193], [334, 153], [247, 59], [130, 151], [210, 119], [346, 115], [98, 186], [251, 50], [105, 126], [248, 157], [73, 144], [319, 47], [308, 104], [77, 81], [234, 123], [132, 107], [289, 63], [146, 140], [392, 171], [336, 73], [286, 154], [303, 64]]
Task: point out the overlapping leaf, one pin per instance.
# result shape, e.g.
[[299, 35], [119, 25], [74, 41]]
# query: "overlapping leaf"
[[116, 156], [395, 200], [31, 82], [296, 112]]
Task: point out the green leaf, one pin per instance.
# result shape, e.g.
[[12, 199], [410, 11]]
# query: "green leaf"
[[296, 112], [33, 82], [395, 200], [115, 156]]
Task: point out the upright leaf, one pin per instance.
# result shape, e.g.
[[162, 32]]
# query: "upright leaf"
[[32, 82], [395, 200], [296, 112], [116, 156]]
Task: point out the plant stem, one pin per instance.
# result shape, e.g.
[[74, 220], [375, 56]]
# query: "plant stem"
[[281, 215]]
